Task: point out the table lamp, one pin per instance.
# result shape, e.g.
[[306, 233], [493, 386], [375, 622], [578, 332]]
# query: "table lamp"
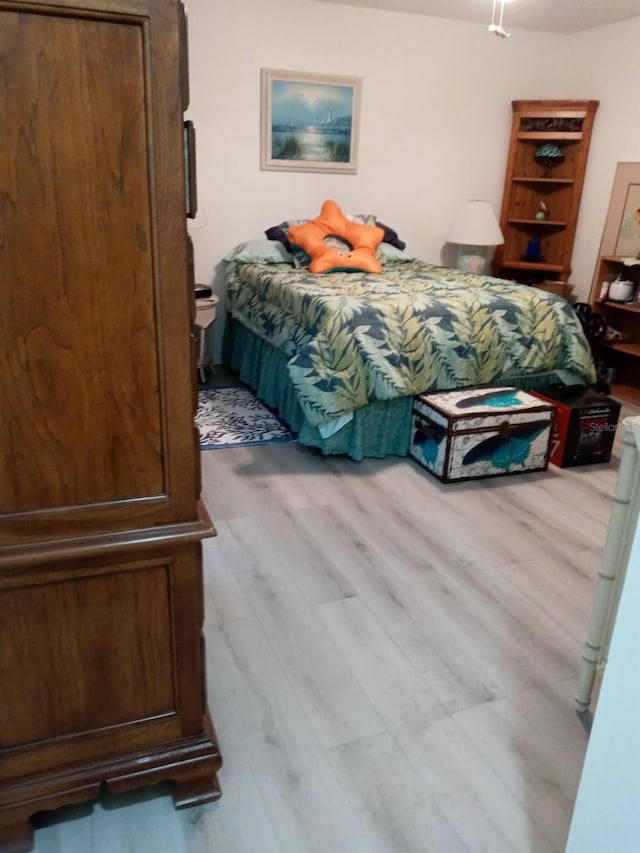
[[475, 229]]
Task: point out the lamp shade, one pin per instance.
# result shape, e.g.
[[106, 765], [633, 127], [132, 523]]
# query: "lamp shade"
[[476, 225]]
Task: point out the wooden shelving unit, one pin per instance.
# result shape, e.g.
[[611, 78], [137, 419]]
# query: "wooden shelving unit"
[[567, 125], [619, 248], [622, 356]]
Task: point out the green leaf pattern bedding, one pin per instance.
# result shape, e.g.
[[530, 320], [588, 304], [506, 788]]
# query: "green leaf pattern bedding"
[[354, 338]]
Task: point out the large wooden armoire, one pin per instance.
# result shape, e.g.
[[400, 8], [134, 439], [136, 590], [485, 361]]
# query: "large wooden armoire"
[[101, 605]]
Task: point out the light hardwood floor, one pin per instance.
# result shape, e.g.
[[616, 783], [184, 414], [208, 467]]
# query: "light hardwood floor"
[[391, 662]]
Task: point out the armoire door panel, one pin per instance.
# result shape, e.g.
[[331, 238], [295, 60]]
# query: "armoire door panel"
[[78, 337], [109, 638]]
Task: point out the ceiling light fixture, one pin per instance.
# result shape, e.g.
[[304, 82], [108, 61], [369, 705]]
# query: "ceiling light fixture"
[[497, 28]]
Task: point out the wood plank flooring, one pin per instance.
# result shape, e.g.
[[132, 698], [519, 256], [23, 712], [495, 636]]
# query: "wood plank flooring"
[[391, 662]]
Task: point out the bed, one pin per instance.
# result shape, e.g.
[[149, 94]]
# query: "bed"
[[341, 355]]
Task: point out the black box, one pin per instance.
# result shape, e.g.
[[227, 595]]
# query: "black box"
[[585, 424]]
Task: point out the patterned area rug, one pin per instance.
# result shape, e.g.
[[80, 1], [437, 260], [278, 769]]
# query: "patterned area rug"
[[234, 417]]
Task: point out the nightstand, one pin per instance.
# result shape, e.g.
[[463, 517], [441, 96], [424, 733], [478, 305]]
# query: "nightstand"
[[205, 318]]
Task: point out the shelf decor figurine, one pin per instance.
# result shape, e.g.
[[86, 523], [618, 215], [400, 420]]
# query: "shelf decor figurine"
[[548, 156], [543, 211]]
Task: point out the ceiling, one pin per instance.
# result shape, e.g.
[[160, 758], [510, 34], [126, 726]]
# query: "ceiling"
[[554, 16]]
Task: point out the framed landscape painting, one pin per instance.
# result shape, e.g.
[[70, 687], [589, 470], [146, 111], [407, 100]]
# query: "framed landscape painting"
[[621, 235], [628, 243], [309, 122]]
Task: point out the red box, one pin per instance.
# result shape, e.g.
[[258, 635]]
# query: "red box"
[[585, 425]]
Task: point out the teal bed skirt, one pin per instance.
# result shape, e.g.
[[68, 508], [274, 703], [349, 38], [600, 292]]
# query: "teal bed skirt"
[[377, 430], [380, 429]]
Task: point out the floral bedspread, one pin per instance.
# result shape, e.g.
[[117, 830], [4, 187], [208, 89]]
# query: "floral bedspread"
[[354, 338]]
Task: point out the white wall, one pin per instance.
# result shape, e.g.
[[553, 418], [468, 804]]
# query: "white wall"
[[434, 126], [604, 66]]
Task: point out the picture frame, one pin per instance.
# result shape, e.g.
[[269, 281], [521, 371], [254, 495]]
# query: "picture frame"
[[621, 235], [309, 122]]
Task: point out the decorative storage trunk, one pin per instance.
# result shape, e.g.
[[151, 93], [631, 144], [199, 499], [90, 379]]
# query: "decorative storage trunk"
[[585, 425], [481, 432]]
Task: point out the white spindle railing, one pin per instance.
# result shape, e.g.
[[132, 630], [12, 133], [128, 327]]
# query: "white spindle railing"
[[622, 526]]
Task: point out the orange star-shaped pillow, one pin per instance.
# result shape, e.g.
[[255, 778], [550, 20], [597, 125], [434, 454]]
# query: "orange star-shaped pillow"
[[363, 239]]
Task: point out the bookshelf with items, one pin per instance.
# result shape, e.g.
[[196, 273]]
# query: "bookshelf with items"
[[615, 289], [616, 296], [543, 185]]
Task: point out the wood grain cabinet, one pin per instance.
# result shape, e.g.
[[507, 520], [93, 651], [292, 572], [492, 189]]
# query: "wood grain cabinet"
[[620, 348], [101, 605], [618, 351], [542, 194]]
